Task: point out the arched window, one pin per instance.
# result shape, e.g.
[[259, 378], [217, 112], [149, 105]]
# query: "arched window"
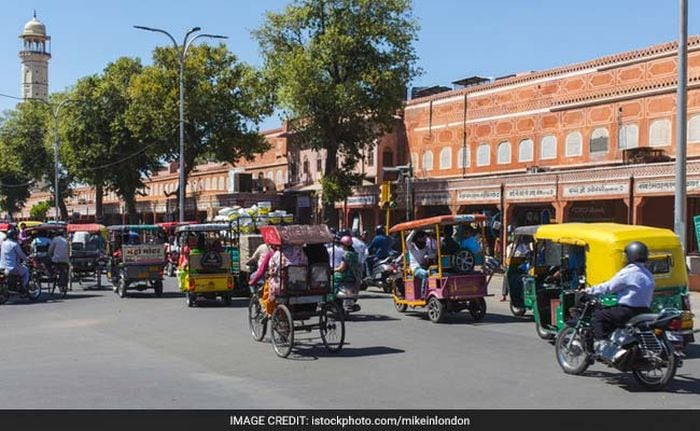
[[483, 155], [279, 178], [573, 145], [463, 158], [387, 158], [414, 160], [305, 166], [629, 136], [599, 141], [503, 153], [207, 184], [660, 133], [526, 150], [428, 160], [694, 129], [446, 158], [548, 147], [270, 175]]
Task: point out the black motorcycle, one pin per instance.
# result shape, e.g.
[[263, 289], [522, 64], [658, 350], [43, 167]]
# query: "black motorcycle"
[[641, 346], [11, 284], [382, 273]]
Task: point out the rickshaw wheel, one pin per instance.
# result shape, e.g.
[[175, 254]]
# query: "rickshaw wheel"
[[477, 309], [121, 288], [282, 331], [572, 360], [98, 277], [401, 308], [33, 290], [436, 310], [464, 261], [191, 299], [4, 295], [226, 298], [543, 333], [70, 278], [257, 320], [330, 321], [158, 288], [517, 311]]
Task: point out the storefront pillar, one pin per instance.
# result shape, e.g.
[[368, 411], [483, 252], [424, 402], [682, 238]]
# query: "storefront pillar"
[[560, 208], [634, 209]]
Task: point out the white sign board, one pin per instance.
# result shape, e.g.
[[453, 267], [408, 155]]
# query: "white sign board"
[[663, 186], [580, 190], [526, 193], [362, 200], [144, 253], [479, 195], [435, 198]]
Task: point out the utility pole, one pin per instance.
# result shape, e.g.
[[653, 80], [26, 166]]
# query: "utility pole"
[[679, 220]]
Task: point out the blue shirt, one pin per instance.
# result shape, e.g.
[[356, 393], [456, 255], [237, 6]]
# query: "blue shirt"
[[633, 285], [11, 255], [379, 246]]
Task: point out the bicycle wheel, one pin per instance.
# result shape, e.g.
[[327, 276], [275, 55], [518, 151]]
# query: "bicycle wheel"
[[282, 331], [332, 327], [256, 319]]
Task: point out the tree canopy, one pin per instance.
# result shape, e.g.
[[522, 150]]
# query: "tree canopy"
[[341, 68]]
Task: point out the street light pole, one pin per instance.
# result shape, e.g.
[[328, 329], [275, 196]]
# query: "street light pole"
[[679, 220], [182, 52]]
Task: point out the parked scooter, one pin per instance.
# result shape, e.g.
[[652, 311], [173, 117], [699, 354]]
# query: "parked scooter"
[[11, 284]]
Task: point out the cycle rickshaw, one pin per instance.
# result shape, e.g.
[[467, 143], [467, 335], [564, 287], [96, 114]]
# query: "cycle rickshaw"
[[87, 246], [43, 272], [303, 292]]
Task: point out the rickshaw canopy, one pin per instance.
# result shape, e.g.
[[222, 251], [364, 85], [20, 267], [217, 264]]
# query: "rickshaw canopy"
[[296, 234], [174, 224], [86, 227], [605, 244], [45, 227], [134, 227], [440, 220], [203, 227], [4, 227]]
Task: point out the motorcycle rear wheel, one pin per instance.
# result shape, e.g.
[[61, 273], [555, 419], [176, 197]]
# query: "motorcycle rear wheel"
[[658, 378], [574, 359]]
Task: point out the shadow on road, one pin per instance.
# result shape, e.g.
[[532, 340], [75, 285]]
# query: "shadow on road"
[[307, 352], [48, 298], [692, 351], [369, 318], [464, 318], [149, 294], [681, 383]]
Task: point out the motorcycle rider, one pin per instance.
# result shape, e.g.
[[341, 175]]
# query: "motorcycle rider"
[[380, 247], [421, 255], [361, 249], [634, 287], [12, 256], [59, 252]]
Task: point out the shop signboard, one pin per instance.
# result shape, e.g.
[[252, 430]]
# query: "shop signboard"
[[434, 198], [362, 200], [663, 186], [601, 189], [526, 193], [478, 195]]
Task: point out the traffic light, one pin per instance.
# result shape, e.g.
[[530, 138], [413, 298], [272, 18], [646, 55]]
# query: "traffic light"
[[384, 194]]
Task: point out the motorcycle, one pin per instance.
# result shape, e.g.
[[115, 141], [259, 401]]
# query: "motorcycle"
[[381, 272], [346, 296], [641, 346], [11, 284], [173, 255]]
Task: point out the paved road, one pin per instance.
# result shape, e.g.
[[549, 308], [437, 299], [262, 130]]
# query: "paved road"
[[94, 350]]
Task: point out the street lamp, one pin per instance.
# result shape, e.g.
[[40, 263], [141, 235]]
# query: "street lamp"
[[54, 112], [182, 52]]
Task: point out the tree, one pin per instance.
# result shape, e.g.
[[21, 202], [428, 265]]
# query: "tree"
[[342, 68], [224, 101], [25, 158], [100, 148], [38, 211]]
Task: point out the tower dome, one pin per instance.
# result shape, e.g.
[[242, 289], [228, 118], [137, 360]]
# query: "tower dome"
[[34, 27]]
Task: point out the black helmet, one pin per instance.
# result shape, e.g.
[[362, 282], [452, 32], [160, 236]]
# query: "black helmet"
[[636, 252], [379, 230], [12, 233]]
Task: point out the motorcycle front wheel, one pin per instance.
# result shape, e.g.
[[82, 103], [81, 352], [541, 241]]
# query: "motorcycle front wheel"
[[657, 378], [571, 351]]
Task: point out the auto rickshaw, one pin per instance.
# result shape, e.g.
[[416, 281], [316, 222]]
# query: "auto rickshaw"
[[47, 275], [87, 246], [205, 268], [303, 289], [136, 257], [549, 261], [172, 250], [457, 273]]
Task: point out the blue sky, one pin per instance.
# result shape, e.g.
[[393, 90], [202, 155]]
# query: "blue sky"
[[458, 38]]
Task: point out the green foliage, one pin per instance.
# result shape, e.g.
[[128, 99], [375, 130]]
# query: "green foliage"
[[39, 210], [224, 101], [342, 68]]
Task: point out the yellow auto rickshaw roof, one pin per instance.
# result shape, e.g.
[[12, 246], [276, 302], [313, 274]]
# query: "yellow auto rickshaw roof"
[[608, 234]]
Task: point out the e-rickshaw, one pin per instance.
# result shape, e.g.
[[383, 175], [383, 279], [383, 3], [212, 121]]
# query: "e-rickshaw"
[[457, 276], [302, 291], [561, 256], [205, 268], [136, 257], [43, 271], [172, 249], [86, 252]]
